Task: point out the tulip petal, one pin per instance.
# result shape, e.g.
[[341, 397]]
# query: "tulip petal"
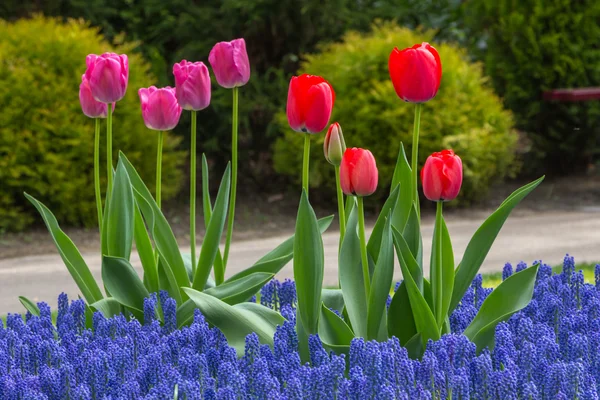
[[318, 112], [293, 108]]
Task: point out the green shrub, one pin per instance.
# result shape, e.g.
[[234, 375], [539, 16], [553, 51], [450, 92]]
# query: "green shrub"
[[46, 143], [465, 115], [531, 46]]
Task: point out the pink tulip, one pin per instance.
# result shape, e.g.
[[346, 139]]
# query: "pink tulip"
[[89, 105], [229, 61], [107, 76], [192, 85], [358, 172], [160, 109]]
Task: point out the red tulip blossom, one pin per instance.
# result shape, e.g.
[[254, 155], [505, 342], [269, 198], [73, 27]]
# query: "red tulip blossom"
[[358, 172], [309, 104], [442, 176], [416, 72]]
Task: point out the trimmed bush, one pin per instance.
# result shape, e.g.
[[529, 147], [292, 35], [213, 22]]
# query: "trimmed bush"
[[46, 143], [532, 46], [466, 115]]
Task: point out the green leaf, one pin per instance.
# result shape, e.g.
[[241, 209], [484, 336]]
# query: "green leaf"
[[109, 307], [70, 255], [145, 251], [374, 243], [401, 322], [120, 216], [412, 235], [415, 347], [309, 261], [30, 306], [159, 228], [350, 203], [167, 281], [424, 319], [351, 277], [403, 251], [443, 285], [333, 298], [482, 241], [124, 284], [512, 295], [381, 282], [206, 203], [236, 322], [334, 332], [403, 177], [241, 289]]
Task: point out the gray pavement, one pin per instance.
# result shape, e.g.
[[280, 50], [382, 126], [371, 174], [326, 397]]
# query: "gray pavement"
[[545, 235]]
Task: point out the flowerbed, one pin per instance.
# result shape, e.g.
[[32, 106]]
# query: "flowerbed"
[[550, 349]]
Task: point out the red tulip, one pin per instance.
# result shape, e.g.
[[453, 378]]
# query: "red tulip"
[[416, 72], [442, 176], [309, 104], [358, 172]]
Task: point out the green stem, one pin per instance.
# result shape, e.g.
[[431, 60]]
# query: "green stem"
[[97, 174], [234, 168], [159, 166], [363, 246], [415, 155], [306, 162], [193, 192], [438, 265], [109, 166], [340, 199]]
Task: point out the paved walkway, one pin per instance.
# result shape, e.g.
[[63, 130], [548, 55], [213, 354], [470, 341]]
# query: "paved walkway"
[[547, 235]]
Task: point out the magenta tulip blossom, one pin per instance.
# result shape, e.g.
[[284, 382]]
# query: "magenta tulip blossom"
[[107, 75], [192, 85], [160, 109], [90, 106], [229, 61]]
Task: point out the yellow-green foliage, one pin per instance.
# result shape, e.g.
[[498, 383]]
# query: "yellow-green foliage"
[[466, 115], [46, 143]]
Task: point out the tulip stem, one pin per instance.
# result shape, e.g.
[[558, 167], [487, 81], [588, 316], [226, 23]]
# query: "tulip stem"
[[97, 174], [306, 162], [363, 246], [159, 151], [234, 169], [340, 199], [438, 264], [193, 192], [109, 166], [415, 156]]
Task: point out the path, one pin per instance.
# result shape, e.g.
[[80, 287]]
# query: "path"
[[547, 234]]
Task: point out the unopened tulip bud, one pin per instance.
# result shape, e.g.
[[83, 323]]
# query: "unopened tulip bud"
[[358, 172], [442, 176], [334, 145]]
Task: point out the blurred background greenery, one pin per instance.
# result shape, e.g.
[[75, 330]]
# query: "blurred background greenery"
[[498, 58]]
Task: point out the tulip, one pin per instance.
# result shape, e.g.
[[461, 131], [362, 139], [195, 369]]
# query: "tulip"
[[107, 75], [192, 88], [416, 72], [89, 105], [442, 176], [229, 61], [192, 85], [334, 145], [309, 104]]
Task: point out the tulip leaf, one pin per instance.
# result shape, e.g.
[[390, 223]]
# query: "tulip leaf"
[[374, 243], [403, 177], [206, 203], [309, 266], [412, 235], [124, 284], [415, 346], [442, 278], [333, 298], [512, 295], [334, 332], [482, 241], [70, 255], [30, 306], [236, 322], [109, 307], [212, 238], [401, 322], [277, 258], [381, 282], [159, 228], [351, 277], [241, 289], [350, 203], [120, 216], [403, 251], [167, 280], [145, 251]]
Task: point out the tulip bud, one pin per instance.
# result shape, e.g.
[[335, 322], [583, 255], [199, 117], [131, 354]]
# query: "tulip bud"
[[309, 104], [229, 61], [160, 109], [89, 105], [442, 176], [107, 76], [192, 85], [334, 145], [416, 72], [358, 172]]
